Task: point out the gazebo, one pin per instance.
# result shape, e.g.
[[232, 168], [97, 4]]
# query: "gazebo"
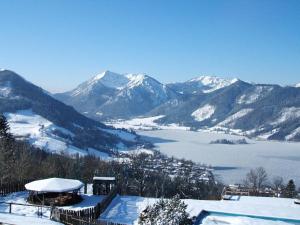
[[54, 191]]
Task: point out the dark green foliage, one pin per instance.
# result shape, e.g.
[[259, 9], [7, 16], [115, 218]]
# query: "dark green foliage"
[[166, 212], [290, 190]]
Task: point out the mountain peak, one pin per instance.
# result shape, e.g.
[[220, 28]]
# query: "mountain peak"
[[212, 83], [8, 75], [110, 79]]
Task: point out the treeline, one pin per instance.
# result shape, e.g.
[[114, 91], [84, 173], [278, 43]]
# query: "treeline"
[[258, 179], [19, 161]]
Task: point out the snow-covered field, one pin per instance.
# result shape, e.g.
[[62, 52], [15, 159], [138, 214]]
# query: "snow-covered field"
[[232, 161], [126, 209], [144, 123], [6, 218], [89, 201]]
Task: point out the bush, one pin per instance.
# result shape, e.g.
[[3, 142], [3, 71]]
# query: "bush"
[[166, 212]]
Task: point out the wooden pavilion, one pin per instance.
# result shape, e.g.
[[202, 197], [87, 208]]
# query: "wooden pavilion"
[[54, 191]]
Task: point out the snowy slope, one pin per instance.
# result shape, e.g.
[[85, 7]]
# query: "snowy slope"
[[258, 92], [107, 78], [229, 121], [287, 114], [42, 133], [49, 124], [203, 113], [297, 85], [211, 83], [204, 84]]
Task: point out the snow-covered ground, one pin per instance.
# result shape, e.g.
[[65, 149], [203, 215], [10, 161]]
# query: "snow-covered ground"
[[7, 218], [239, 220], [203, 113], [144, 123], [126, 209], [258, 92], [233, 161], [89, 201], [229, 121], [41, 133]]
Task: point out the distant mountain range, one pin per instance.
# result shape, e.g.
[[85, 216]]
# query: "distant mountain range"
[[47, 123], [111, 95], [206, 102]]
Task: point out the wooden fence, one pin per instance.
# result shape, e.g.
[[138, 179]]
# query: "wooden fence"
[[39, 207], [71, 217], [11, 187], [86, 216]]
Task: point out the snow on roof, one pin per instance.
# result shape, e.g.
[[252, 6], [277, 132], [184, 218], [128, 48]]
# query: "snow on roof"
[[54, 185], [104, 178]]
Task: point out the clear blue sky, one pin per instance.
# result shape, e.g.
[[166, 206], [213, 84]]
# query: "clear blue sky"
[[58, 43]]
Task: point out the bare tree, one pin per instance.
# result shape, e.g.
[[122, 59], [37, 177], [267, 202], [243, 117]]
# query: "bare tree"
[[262, 177], [256, 178], [251, 179], [278, 184]]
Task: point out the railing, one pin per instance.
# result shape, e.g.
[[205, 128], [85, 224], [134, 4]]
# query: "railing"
[[247, 192], [73, 220], [11, 187], [86, 216], [80, 217], [39, 207]]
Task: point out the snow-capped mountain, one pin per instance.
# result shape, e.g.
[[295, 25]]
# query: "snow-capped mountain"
[[111, 95], [266, 111], [49, 124], [260, 110], [297, 85], [203, 84]]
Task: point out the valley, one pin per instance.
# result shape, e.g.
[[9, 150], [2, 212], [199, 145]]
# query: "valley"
[[231, 162]]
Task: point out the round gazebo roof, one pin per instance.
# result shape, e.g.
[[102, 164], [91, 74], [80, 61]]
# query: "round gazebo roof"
[[54, 185]]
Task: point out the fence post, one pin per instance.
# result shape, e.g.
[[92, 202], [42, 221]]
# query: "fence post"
[[9, 207], [85, 188]]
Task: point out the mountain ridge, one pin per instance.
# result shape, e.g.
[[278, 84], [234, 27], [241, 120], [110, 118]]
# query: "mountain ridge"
[[205, 102], [24, 103]]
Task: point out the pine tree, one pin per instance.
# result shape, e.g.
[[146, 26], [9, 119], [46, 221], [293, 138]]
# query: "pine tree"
[[166, 212], [290, 190], [7, 151], [4, 128]]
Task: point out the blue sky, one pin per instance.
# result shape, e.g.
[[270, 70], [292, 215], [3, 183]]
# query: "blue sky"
[[57, 44]]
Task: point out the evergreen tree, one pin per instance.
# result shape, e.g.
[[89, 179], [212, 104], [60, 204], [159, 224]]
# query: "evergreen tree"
[[290, 190], [4, 128], [166, 212], [7, 151]]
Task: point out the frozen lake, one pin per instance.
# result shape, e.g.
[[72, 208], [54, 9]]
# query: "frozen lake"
[[232, 161]]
